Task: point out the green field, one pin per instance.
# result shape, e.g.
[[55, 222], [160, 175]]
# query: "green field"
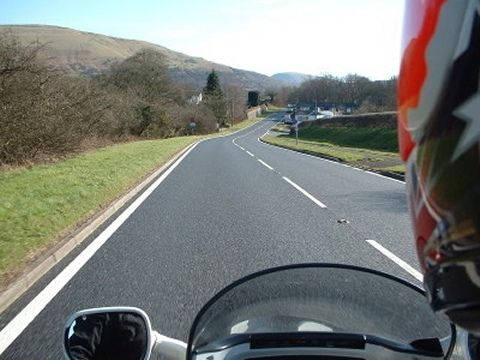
[[368, 148], [41, 204]]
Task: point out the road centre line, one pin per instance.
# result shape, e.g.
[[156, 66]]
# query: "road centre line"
[[247, 133], [265, 164], [304, 192], [18, 324], [404, 265], [416, 274]]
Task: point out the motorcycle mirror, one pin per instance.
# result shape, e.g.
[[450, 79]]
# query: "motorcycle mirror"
[[122, 333]]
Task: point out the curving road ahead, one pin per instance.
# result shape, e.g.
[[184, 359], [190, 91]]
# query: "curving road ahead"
[[232, 206]]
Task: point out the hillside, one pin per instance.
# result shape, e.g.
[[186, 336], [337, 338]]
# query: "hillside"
[[85, 53], [291, 78]]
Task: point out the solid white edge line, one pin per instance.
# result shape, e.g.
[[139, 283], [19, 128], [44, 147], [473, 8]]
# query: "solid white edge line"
[[330, 161], [249, 153], [18, 324], [265, 164], [304, 192], [405, 266]]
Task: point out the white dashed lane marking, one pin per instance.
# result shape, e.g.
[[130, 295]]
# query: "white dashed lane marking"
[[265, 164], [304, 192], [416, 274]]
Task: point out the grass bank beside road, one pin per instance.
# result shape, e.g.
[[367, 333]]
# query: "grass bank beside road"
[[371, 138], [42, 204], [364, 147]]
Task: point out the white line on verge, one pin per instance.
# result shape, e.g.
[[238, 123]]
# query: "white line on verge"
[[304, 192], [416, 274], [249, 153], [330, 161], [16, 326], [265, 164]]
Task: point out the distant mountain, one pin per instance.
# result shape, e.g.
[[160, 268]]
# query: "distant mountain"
[[291, 78], [78, 52]]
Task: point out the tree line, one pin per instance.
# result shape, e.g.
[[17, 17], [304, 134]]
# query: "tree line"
[[363, 94], [45, 114]]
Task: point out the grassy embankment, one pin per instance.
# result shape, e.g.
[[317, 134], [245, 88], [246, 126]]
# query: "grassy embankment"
[[42, 204], [365, 147]]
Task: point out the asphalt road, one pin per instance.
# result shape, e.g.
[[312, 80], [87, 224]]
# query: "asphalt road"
[[225, 211]]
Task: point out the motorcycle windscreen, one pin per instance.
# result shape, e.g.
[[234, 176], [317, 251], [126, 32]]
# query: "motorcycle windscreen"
[[325, 298]]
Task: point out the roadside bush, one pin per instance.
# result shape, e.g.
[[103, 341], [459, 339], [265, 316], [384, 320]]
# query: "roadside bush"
[[118, 115], [45, 114], [142, 82], [203, 116], [42, 113]]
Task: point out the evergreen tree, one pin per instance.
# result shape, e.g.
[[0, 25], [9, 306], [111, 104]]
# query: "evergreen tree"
[[213, 85], [214, 98]]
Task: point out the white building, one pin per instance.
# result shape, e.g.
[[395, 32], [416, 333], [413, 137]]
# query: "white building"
[[196, 99]]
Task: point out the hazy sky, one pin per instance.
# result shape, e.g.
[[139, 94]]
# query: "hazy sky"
[[268, 36]]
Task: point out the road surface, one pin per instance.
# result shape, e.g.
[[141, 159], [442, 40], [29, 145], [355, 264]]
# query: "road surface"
[[232, 206]]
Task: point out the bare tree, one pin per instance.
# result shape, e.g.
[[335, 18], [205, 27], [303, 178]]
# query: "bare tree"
[[352, 89], [42, 113], [143, 80], [283, 95], [235, 98]]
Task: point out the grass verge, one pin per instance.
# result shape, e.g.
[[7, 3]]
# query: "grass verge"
[[41, 204], [336, 144], [382, 139]]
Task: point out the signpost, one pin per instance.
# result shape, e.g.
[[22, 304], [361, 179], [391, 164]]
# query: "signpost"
[[295, 123], [296, 133], [192, 126]]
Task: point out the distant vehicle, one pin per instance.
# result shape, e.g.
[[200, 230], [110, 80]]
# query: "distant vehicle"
[[324, 114]]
